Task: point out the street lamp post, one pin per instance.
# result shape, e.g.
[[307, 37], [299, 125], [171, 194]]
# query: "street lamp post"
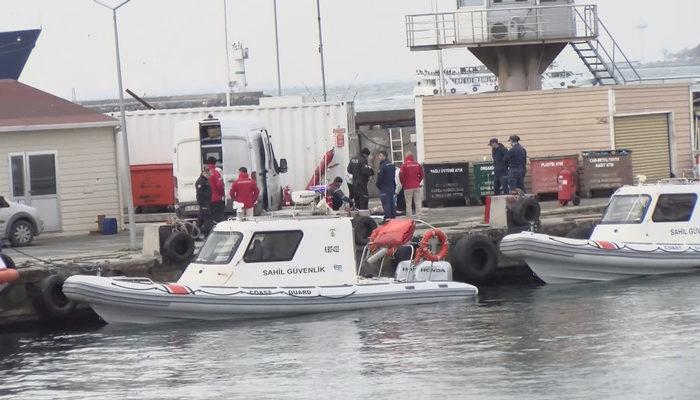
[[277, 51], [320, 49], [126, 177]]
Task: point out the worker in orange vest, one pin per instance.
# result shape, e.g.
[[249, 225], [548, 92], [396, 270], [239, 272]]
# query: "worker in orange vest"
[[245, 190]]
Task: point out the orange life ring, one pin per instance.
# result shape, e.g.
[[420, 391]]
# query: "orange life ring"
[[424, 248], [8, 275]]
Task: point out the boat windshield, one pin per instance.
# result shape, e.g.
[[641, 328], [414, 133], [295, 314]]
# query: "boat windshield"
[[219, 248], [627, 209]]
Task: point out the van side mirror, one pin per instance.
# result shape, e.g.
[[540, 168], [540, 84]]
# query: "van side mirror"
[[4, 203], [283, 166]]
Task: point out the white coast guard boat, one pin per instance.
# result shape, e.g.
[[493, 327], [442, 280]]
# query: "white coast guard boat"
[[646, 230], [267, 268]]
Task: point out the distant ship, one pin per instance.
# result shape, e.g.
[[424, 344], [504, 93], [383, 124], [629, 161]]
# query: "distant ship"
[[478, 79], [15, 48]]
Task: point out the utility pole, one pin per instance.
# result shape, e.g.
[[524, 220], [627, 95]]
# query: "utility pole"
[[126, 176], [320, 49], [228, 61], [277, 51]]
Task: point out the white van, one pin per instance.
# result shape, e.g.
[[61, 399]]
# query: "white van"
[[234, 142]]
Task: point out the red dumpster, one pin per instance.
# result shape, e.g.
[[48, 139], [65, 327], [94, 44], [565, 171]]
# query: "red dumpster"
[[153, 185], [545, 171]]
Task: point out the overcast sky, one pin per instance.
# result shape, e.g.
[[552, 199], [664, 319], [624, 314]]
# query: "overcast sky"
[[177, 46]]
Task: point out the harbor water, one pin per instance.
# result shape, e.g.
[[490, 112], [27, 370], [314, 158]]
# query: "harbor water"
[[636, 339]]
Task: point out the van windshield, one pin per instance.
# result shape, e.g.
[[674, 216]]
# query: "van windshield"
[[219, 248], [627, 209]]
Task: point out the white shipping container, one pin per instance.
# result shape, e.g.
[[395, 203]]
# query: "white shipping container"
[[302, 133]]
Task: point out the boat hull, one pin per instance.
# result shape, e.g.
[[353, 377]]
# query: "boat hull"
[[558, 260], [119, 301]]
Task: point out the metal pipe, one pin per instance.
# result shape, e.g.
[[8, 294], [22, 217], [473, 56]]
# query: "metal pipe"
[[228, 60], [140, 100], [125, 140], [320, 49], [277, 51]]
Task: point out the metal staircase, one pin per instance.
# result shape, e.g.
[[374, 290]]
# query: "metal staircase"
[[606, 65]]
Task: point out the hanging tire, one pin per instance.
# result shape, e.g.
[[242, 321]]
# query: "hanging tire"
[[576, 201], [475, 258], [453, 90], [526, 211], [21, 233], [362, 228], [581, 232], [178, 247], [9, 263], [50, 301]]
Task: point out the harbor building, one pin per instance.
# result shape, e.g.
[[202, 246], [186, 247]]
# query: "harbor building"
[[58, 157]]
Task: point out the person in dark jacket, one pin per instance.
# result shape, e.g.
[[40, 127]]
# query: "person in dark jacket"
[[516, 159], [361, 173], [335, 192], [204, 219], [386, 183], [500, 168]]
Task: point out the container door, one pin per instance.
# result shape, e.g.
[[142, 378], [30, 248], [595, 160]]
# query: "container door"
[[188, 167], [647, 136], [272, 178], [34, 183]]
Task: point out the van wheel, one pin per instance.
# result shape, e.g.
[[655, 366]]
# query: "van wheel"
[[475, 258], [21, 233]]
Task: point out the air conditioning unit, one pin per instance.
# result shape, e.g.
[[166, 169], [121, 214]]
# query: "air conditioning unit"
[[507, 29]]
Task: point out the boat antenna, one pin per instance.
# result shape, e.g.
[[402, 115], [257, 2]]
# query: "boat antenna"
[[309, 91], [350, 86]]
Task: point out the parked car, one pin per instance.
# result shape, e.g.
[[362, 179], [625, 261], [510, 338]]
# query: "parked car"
[[19, 223]]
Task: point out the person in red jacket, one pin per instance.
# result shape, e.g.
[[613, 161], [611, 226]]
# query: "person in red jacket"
[[244, 190], [411, 175], [216, 181]]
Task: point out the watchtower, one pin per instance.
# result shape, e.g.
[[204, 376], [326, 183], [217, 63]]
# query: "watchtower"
[[518, 39]]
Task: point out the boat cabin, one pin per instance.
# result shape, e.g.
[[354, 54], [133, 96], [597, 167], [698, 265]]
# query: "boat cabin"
[[666, 213], [272, 252]]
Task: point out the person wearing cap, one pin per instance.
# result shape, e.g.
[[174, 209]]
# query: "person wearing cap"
[[500, 168], [216, 181], [361, 173], [516, 159], [204, 220]]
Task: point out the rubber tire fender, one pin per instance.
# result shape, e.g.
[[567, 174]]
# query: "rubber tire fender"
[[581, 232], [526, 211], [50, 301], [9, 263], [178, 247], [362, 228], [475, 258]]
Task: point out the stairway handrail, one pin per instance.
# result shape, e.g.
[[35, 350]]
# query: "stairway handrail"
[[618, 48]]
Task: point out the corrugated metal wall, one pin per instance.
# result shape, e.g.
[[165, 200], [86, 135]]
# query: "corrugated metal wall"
[[458, 128], [300, 133], [559, 122]]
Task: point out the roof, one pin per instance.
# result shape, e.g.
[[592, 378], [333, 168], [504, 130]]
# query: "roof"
[[24, 108]]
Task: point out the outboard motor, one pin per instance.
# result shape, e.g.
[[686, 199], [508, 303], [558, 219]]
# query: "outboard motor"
[[407, 271]]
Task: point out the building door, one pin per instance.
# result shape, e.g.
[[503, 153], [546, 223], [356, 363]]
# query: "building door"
[[647, 136], [33, 181]]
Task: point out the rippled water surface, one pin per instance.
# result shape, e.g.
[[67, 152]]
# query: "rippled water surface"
[[638, 339]]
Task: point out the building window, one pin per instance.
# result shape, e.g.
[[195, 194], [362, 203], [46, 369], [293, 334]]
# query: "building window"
[[674, 207], [273, 246]]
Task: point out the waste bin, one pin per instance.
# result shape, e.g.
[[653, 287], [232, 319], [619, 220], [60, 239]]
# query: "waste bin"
[[603, 172], [483, 181], [544, 171], [109, 226], [446, 185]]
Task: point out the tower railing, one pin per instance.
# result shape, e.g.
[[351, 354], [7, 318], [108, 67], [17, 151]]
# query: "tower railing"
[[497, 26]]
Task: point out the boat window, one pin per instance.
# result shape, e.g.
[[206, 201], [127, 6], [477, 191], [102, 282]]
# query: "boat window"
[[219, 248], [273, 246], [626, 209], [674, 207]]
